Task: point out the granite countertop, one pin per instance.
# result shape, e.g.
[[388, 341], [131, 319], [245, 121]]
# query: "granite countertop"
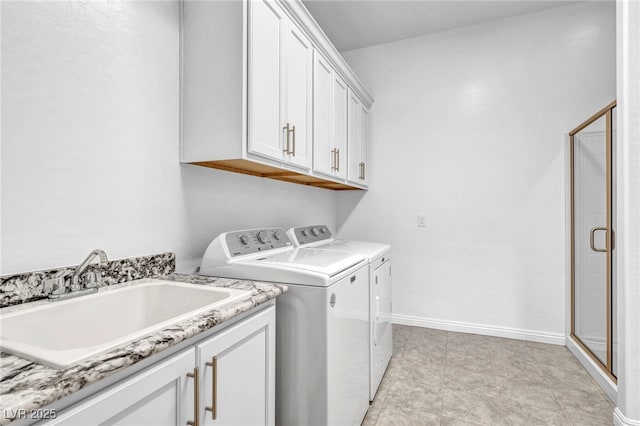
[[29, 385]]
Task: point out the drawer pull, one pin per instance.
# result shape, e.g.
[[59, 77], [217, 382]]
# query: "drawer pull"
[[196, 397], [214, 388]]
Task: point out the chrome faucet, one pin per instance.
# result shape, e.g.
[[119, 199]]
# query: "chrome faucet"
[[94, 278], [56, 288]]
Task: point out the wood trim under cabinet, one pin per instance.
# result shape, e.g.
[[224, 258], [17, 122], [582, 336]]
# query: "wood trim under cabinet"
[[253, 168]]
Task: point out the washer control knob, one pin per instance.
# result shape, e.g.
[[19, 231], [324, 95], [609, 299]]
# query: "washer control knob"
[[276, 236], [304, 232], [315, 231], [244, 240], [323, 230], [262, 237]]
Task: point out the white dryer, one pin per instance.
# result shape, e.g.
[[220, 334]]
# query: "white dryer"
[[322, 375], [379, 258]]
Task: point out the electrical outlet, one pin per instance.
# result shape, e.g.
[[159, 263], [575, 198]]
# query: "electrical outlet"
[[422, 222]]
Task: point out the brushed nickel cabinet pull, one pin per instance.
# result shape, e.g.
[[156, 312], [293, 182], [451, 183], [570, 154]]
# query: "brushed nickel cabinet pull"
[[196, 397], [214, 388], [293, 152], [364, 168], [286, 148], [337, 160], [592, 239]]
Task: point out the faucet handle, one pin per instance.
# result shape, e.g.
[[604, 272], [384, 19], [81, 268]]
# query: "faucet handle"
[[54, 286], [94, 279]]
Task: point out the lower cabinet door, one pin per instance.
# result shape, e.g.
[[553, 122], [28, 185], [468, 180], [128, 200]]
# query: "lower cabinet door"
[[160, 395], [237, 368]]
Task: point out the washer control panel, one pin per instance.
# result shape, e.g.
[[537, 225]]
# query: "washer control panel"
[[311, 234], [256, 240]]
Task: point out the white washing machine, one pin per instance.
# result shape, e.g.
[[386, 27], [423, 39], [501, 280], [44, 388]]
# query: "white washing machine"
[[379, 258], [322, 331]]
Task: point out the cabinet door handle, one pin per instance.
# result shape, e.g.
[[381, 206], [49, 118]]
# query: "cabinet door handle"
[[214, 388], [196, 397], [592, 240], [337, 160], [286, 129], [364, 168], [293, 152]]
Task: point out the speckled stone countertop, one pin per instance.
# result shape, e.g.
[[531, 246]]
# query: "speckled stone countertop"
[[29, 385]]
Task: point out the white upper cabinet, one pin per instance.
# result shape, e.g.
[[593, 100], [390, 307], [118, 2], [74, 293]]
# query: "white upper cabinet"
[[323, 154], [330, 120], [358, 140], [297, 93], [266, 34], [340, 94], [265, 93], [363, 143], [280, 86]]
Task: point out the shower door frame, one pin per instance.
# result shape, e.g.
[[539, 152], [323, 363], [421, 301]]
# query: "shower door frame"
[[609, 238]]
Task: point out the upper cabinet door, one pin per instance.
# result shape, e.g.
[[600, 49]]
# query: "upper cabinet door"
[[354, 171], [339, 125], [298, 92], [364, 144], [323, 151], [357, 141], [267, 26]]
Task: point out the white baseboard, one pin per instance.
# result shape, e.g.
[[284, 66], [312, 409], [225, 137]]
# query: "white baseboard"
[[594, 370], [620, 420], [488, 330]]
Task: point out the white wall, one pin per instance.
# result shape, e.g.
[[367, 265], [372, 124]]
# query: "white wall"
[[467, 129], [627, 412], [90, 143]]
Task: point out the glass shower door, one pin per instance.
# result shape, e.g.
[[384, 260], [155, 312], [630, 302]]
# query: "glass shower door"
[[592, 237]]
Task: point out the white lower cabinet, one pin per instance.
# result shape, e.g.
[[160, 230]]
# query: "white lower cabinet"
[[160, 395], [238, 373], [235, 384]]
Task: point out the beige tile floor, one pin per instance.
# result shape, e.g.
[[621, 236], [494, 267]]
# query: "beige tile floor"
[[443, 378]]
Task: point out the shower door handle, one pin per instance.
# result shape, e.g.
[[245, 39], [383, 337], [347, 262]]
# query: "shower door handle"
[[592, 237]]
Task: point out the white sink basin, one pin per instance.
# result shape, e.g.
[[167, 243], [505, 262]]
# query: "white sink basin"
[[62, 333]]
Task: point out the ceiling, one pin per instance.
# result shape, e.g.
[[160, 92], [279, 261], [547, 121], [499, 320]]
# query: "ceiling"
[[352, 24]]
